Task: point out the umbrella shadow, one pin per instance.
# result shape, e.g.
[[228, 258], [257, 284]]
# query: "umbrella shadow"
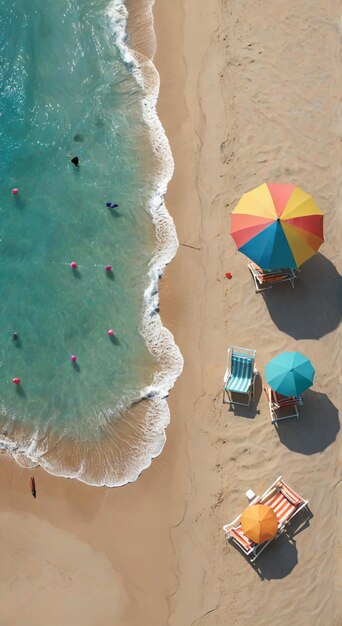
[[281, 556], [313, 308], [251, 411], [317, 428]]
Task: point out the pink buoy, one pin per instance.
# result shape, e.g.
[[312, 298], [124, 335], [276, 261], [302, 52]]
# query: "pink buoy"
[[110, 332], [73, 358], [73, 264], [15, 191], [108, 268], [16, 381]]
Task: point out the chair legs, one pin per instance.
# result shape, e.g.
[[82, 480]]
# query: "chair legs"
[[227, 395], [276, 418], [228, 399]]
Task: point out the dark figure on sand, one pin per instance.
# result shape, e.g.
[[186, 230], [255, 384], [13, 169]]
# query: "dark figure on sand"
[[33, 487]]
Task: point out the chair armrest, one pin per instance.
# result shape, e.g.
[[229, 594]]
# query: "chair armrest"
[[226, 375]]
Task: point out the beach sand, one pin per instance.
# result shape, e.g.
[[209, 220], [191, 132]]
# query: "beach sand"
[[249, 92]]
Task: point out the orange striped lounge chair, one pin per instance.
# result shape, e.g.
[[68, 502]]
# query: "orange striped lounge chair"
[[282, 407], [285, 502], [265, 279]]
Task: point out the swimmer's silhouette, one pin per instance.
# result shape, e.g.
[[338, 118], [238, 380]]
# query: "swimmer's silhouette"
[[75, 161], [78, 137]]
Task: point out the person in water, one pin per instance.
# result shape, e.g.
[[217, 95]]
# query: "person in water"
[[15, 336], [75, 161], [111, 205]]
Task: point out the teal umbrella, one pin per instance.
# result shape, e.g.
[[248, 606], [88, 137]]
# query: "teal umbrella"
[[290, 373]]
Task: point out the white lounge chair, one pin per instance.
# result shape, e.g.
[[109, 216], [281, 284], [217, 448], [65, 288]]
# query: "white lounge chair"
[[265, 279], [285, 503], [282, 407], [240, 375]]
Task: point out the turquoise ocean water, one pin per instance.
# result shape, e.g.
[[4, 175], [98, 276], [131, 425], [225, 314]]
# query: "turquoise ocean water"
[[69, 87]]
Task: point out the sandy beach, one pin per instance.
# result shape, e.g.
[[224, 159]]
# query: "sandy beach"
[[249, 93]]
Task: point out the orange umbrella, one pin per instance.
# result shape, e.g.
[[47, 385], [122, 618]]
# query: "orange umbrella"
[[259, 522]]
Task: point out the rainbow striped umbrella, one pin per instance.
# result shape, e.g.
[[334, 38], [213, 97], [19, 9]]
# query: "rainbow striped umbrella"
[[277, 225]]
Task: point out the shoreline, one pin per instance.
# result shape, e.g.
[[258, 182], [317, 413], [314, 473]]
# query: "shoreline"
[[185, 34]]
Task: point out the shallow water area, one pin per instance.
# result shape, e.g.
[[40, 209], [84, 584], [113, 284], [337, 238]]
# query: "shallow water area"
[[66, 90]]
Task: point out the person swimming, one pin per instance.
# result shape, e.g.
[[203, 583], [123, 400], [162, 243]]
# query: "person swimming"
[[15, 336], [75, 161], [111, 205]]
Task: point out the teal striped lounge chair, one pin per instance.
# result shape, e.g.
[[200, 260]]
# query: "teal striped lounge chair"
[[240, 375]]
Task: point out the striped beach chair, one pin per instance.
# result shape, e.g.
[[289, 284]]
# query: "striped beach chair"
[[240, 375], [285, 502], [265, 279], [282, 407]]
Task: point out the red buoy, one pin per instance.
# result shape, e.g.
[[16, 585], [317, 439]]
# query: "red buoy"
[[16, 381]]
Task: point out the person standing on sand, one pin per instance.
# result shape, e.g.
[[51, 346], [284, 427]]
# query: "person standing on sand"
[[33, 486]]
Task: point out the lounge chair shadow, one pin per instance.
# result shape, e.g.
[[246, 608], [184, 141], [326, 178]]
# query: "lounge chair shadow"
[[281, 556], [313, 308], [278, 560], [317, 427], [299, 523], [251, 411]]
